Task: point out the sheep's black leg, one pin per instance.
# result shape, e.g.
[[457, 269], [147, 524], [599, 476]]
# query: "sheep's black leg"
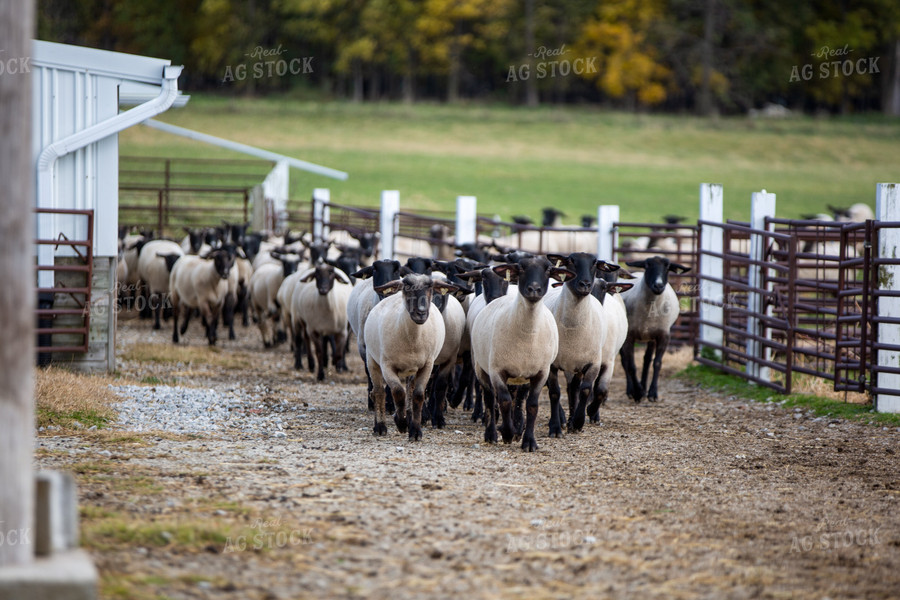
[[555, 392], [398, 392], [577, 402], [529, 444], [175, 325], [661, 346], [633, 386], [478, 412], [518, 416], [648, 358], [156, 305], [228, 314], [380, 427], [490, 429], [319, 343], [418, 400], [465, 377], [442, 378], [600, 394], [505, 401]]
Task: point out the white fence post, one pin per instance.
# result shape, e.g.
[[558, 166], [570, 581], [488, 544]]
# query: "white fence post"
[[762, 205], [466, 219], [390, 206], [321, 198], [887, 208], [712, 294], [607, 233], [275, 189]]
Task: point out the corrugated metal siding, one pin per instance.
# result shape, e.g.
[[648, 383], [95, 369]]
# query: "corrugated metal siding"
[[75, 88]]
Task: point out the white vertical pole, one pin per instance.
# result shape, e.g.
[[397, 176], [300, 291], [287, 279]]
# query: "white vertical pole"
[[390, 206], [607, 233], [887, 208], [762, 205], [466, 219], [321, 198], [712, 294]]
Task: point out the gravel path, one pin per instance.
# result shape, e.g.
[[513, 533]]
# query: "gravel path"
[[698, 496]]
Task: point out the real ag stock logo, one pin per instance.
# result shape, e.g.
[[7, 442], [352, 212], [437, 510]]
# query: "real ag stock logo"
[[552, 68], [835, 68]]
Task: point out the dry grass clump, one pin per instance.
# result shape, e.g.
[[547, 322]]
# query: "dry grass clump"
[[171, 354], [64, 398]]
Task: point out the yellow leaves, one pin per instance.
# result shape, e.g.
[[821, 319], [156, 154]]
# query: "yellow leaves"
[[627, 61]]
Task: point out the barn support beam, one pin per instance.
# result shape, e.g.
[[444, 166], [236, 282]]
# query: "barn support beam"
[[607, 232], [762, 206], [887, 209], [390, 206], [711, 292]]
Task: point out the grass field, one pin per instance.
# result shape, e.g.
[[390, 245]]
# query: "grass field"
[[517, 160]]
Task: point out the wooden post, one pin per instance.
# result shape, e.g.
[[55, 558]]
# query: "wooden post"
[[887, 208], [607, 232], [390, 206], [18, 294], [762, 205], [321, 198], [711, 292], [466, 220]]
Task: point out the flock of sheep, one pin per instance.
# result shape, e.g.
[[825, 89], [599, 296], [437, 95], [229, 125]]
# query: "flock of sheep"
[[488, 328]]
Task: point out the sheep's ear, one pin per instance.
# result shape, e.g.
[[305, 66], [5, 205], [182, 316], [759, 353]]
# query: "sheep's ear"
[[678, 269], [618, 287], [363, 273], [339, 273], [626, 274], [441, 266], [470, 276], [557, 284], [602, 265], [391, 287], [404, 271], [561, 274], [558, 260], [307, 276], [509, 271], [637, 264]]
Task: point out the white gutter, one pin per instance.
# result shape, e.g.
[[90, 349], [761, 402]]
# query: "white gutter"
[[51, 153], [245, 149]]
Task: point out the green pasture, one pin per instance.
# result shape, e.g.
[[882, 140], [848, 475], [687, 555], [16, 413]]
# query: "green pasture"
[[517, 160]]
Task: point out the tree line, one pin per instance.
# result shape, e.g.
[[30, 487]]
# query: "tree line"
[[703, 56]]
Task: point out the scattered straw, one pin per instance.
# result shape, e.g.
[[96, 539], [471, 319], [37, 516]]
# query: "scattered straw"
[[63, 397]]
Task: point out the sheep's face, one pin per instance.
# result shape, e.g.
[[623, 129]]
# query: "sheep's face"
[[417, 297], [324, 279], [367, 242], [533, 275], [586, 268], [223, 262], [420, 265], [656, 272]]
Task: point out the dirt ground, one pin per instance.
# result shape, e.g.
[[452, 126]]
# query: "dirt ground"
[[698, 496]]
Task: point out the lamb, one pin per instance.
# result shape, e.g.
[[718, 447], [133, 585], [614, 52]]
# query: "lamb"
[[201, 284], [403, 339], [319, 311], [616, 317], [155, 262], [581, 324], [855, 214], [264, 284], [652, 308], [514, 341]]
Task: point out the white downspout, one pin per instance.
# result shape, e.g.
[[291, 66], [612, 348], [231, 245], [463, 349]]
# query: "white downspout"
[[47, 159]]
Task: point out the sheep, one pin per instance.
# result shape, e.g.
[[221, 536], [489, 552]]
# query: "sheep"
[[283, 298], [514, 340], [581, 324], [362, 299], [264, 284], [403, 339], [605, 290], [652, 308], [195, 241], [201, 284], [855, 214], [319, 311], [454, 317], [238, 280], [154, 265], [493, 287]]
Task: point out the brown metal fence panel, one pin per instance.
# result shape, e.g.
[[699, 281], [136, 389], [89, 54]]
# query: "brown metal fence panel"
[[877, 273], [678, 243], [63, 312]]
